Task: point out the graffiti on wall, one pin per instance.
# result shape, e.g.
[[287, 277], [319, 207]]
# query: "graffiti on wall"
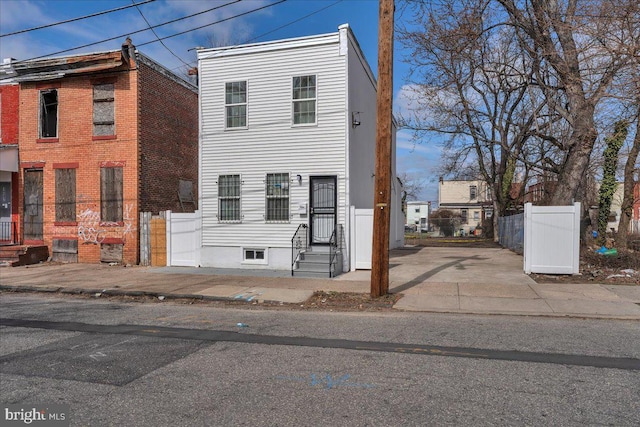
[[93, 231]]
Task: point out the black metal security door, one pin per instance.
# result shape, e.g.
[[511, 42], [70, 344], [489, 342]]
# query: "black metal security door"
[[33, 215], [322, 209]]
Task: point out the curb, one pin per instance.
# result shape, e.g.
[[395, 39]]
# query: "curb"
[[117, 292]]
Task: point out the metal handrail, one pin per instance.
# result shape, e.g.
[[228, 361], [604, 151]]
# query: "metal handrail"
[[299, 242], [8, 229], [335, 244]]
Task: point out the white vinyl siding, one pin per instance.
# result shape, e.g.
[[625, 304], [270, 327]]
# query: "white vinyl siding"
[[271, 144]]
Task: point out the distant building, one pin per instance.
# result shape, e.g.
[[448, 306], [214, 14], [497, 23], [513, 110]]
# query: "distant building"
[[471, 199], [418, 215]]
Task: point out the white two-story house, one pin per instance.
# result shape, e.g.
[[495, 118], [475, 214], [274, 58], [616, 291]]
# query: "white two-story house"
[[287, 150]]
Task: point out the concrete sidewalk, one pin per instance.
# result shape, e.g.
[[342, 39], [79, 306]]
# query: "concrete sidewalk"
[[447, 280]]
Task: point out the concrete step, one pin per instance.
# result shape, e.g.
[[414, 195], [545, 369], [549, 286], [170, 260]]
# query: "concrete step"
[[311, 274], [22, 255]]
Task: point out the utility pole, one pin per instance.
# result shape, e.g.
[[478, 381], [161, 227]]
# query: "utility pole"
[[382, 190]]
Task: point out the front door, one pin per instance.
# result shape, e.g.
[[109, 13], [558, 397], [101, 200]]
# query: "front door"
[[5, 210], [323, 209], [33, 204]]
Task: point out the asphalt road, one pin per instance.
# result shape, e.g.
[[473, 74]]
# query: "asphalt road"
[[178, 365]]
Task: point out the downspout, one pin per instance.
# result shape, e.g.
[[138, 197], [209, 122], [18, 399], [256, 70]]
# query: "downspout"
[[343, 36]]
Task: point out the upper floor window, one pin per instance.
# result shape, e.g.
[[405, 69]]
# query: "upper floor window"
[[229, 198], [473, 192], [103, 110], [235, 101], [464, 215], [277, 193], [49, 113], [304, 100]]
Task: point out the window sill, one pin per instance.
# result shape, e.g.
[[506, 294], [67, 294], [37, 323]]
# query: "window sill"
[[220, 221], [111, 224], [304, 125], [112, 241], [47, 140], [236, 128], [104, 138], [254, 262], [65, 223]]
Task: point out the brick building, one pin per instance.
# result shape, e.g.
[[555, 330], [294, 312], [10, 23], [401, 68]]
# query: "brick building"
[[102, 137], [9, 177]]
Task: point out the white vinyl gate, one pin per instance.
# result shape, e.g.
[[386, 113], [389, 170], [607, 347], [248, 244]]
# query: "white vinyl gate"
[[552, 239], [183, 239], [361, 238]]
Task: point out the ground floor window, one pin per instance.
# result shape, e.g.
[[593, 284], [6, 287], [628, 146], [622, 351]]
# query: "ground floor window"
[[254, 254]]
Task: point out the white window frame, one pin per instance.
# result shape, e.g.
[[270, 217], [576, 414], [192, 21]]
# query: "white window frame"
[[268, 197], [295, 100], [237, 197], [263, 261], [236, 104], [473, 192]]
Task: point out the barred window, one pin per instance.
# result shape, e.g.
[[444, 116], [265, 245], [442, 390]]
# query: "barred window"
[[304, 100], [277, 194], [229, 198], [235, 100]]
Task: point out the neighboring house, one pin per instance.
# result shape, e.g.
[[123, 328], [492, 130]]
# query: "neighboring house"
[[102, 137], [287, 144], [9, 177], [418, 215], [471, 199]]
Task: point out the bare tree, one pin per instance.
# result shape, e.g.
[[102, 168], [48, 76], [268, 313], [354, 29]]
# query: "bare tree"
[[473, 86], [630, 170], [577, 48]]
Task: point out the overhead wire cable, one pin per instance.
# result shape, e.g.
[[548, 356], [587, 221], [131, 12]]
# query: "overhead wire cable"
[[158, 37], [75, 19], [213, 23], [134, 32]]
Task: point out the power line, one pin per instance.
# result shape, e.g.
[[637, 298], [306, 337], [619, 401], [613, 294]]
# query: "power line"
[[76, 19], [157, 37], [134, 32], [213, 23]]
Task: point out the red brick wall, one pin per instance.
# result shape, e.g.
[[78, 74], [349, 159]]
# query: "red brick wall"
[[75, 144], [9, 95], [168, 114]]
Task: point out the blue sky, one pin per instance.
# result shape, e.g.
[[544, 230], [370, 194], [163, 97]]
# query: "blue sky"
[[284, 20]]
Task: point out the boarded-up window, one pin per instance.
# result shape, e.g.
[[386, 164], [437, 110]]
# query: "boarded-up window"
[[111, 194], [65, 250], [103, 110], [65, 195], [49, 113], [111, 252]]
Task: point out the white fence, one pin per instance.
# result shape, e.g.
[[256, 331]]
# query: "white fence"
[[361, 238], [552, 239], [183, 239]]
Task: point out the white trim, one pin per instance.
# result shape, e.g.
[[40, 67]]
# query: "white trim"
[[249, 49]]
